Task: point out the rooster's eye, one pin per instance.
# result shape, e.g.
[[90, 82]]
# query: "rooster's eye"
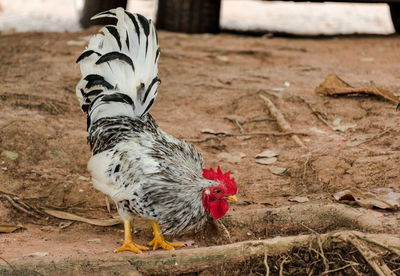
[[217, 191]]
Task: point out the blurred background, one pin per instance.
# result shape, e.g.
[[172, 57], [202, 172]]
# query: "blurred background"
[[235, 15]]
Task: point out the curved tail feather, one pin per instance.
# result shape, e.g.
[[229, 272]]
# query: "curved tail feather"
[[119, 68]]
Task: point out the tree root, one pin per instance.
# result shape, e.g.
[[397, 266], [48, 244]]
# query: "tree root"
[[198, 259], [324, 217], [276, 256]]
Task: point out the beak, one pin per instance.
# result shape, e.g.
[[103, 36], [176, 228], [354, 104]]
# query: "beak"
[[232, 198]]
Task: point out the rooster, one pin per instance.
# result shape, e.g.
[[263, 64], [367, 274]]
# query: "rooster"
[[143, 169]]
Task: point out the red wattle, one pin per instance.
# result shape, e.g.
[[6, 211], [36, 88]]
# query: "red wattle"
[[218, 208]]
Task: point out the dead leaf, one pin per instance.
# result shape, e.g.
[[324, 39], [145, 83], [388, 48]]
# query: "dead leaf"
[[267, 161], [299, 199], [68, 216], [269, 153], [232, 157], [36, 254], [8, 228], [383, 198], [333, 85], [277, 170], [211, 131]]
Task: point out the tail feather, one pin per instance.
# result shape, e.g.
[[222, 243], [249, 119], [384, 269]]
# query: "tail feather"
[[119, 68]]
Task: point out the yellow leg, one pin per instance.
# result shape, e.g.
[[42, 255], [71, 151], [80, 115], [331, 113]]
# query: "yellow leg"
[[128, 245], [159, 240]]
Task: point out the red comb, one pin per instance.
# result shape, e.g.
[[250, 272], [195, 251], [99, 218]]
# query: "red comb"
[[224, 179]]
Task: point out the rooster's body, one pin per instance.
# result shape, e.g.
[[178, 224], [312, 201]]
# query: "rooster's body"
[[143, 169]]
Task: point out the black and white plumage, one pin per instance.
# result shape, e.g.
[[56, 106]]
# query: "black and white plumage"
[[142, 168]]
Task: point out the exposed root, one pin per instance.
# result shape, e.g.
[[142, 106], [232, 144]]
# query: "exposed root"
[[374, 260], [266, 262], [280, 255]]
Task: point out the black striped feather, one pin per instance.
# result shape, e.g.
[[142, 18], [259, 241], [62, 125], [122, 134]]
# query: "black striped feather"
[[94, 79], [133, 19], [114, 32], [154, 81], [85, 54], [118, 97], [115, 55]]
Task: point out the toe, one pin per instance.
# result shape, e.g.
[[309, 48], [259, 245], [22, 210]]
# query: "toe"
[[131, 247], [175, 244], [141, 247]]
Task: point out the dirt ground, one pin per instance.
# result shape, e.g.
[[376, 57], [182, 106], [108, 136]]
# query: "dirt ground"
[[205, 79]]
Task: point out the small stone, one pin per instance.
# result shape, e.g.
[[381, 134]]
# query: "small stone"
[[287, 84], [83, 178], [250, 182], [336, 122], [223, 58]]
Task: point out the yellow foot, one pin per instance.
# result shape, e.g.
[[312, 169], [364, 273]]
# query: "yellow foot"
[[130, 246], [159, 241]]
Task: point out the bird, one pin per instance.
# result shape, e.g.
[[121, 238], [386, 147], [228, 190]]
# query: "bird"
[[144, 170]]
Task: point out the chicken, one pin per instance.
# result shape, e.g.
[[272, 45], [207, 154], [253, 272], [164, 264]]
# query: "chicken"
[[143, 169]]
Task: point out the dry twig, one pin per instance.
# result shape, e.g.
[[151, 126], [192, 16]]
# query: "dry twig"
[[320, 116], [282, 123], [236, 122], [17, 205]]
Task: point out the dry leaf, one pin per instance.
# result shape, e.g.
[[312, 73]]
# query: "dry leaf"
[[211, 131], [36, 254], [269, 153], [267, 161], [68, 216], [300, 199], [383, 198], [277, 170], [333, 85], [8, 228], [232, 157]]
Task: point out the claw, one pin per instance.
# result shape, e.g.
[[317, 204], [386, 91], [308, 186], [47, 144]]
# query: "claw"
[[159, 240], [128, 245]]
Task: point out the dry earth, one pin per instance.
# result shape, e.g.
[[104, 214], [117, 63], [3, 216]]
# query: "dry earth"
[[205, 78]]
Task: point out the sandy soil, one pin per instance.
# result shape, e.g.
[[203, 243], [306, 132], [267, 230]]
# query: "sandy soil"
[[205, 78]]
